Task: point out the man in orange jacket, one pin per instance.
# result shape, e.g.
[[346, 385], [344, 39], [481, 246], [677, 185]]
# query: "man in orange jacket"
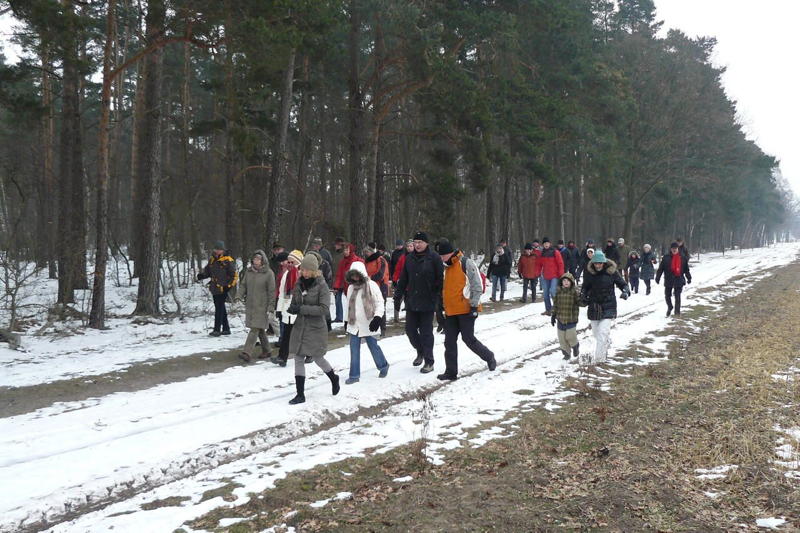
[[461, 299]]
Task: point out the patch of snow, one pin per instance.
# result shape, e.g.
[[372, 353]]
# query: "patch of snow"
[[225, 522], [717, 472], [770, 523], [319, 503], [404, 479]]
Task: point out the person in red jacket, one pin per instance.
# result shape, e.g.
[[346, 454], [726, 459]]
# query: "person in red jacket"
[[528, 270], [551, 268], [398, 269], [349, 257]]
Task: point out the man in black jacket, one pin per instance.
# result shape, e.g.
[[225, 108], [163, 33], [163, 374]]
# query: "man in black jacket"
[[675, 269], [421, 285]]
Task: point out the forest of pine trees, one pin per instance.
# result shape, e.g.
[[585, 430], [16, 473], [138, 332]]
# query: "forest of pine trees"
[[148, 128]]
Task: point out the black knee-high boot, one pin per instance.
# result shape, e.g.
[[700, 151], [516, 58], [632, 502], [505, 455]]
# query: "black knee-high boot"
[[300, 384], [334, 381]]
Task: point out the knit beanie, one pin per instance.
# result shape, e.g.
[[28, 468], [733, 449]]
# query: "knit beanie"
[[219, 245], [310, 263], [528, 246], [674, 245], [297, 254], [444, 247], [281, 257], [599, 257], [546, 239], [421, 236]]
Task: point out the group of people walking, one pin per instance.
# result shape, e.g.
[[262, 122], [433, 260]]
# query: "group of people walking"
[[290, 294]]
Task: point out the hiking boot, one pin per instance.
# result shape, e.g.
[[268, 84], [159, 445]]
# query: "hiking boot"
[[426, 369], [491, 363], [446, 377], [493, 299], [308, 359], [383, 372], [300, 385], [350, 381], [277, 360], [334, 382], [215, 333], [669, 311], [226, 332], [576, 351], [418, 360], [566, 354], [523, 300], [244, 356]]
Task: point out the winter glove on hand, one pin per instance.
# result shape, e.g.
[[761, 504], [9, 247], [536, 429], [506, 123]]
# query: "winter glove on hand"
[[688, 281], [474, 312], [375, 323], [440, 328], [552, 320], [625, 293], [294, 309]]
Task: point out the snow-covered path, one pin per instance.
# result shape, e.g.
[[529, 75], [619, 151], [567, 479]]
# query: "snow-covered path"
[[183, 438]]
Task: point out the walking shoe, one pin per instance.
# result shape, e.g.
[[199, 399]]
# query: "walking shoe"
[[226, 332], [492, 363], [669, 311], [566, 354], [309, 359], [334, 382], [417, 361], [493, 299], [277, 360], [523, 300], [350, 381], [300, 385], [383, 372], [425, 369], [215, 333], [244, 356], [446, 377]]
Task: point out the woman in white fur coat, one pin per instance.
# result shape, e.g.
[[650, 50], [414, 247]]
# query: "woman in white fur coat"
[[363, 311]]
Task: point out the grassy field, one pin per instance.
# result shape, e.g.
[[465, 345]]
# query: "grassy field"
[[622, 459]]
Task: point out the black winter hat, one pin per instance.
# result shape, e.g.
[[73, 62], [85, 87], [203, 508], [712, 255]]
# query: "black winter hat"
[[444, 247], [536, 241], [421, 236], [546, 239], [560, 241], [674, 245], [281, 257], [339, 240], [528, 246]]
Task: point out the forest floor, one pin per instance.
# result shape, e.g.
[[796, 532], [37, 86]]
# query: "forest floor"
[[706, 440], [537, 445]]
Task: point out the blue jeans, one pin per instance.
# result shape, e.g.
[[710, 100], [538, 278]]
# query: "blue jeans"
[[355, 354], [502, 281], [549, 288], [339, 311]]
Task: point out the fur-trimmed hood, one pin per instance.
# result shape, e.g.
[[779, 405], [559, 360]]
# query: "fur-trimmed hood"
[[611, 267]]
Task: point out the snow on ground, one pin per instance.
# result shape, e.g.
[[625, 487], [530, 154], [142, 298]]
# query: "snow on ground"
[[182, 439]]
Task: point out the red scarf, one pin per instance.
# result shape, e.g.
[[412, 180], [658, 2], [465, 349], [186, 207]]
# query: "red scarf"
[[676, 265], [291, 272]]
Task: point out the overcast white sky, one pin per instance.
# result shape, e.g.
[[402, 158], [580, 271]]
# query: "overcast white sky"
[[758, 42]]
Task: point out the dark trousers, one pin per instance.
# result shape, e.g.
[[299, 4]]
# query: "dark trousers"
[[464, 325], [419, 330], [647, 284], [532, 283], [286, 336], [668, 291], [635, 284], [220, 312]]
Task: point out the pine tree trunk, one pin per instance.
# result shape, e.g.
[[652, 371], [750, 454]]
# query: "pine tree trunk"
[[280, 158], [149, 167], [48, 205], [98, 311], [355, 198]]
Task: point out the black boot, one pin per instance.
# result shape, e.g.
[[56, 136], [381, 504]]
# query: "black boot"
[[300, 384], [418, 360], [566, 354], [576, 350], [334, 382]]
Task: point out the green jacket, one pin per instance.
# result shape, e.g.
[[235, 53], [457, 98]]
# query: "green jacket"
[[565, 303]]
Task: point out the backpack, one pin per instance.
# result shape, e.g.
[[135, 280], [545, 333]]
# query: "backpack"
[[464, 268]]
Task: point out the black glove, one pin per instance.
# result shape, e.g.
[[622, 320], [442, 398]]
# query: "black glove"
[[552, 320], [294, 309], [200, 277], [440, 327], [473, 311], [625, 293], [375, 323], [688, 281]]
